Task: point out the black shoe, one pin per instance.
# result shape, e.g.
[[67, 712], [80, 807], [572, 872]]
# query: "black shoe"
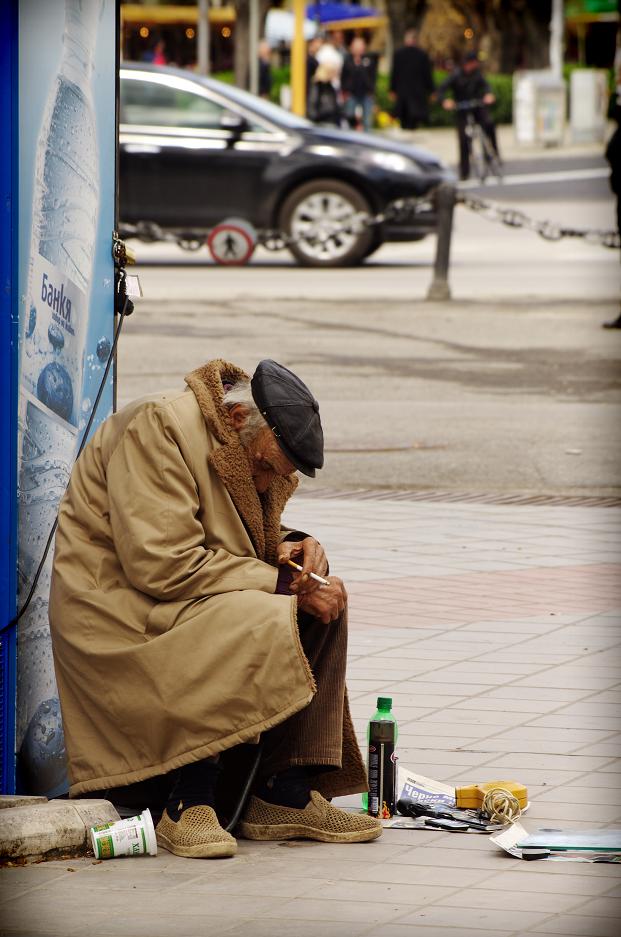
[[194, 786], [614, 324]]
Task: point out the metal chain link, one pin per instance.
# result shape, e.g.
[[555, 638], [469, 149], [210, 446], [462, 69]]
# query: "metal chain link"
[[549, 230], [274, 239], [399, 210], [151, 232]]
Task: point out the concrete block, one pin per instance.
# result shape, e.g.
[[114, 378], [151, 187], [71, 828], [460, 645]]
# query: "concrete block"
[[51, 829], [20, 800]]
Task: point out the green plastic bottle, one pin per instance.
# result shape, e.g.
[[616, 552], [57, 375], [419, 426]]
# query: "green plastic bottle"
[[383, 713]]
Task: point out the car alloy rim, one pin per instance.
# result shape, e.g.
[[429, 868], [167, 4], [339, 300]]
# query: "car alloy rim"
[[322, 215]]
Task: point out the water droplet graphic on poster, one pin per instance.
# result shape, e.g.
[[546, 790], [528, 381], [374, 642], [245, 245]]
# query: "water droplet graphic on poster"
[[65, 205]]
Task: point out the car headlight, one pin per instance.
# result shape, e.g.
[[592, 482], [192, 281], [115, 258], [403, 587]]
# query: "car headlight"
[[395, 162]]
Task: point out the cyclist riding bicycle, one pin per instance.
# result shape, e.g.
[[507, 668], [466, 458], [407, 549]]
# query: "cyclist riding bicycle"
[[468, 84]]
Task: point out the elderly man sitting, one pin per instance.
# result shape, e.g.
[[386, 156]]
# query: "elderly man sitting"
[[179, 634]]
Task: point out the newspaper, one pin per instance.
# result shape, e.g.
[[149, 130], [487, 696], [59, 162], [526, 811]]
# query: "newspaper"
[[423, 790]]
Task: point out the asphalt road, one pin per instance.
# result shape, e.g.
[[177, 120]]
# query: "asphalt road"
[[511, 387], [586, 177], [489, 261]]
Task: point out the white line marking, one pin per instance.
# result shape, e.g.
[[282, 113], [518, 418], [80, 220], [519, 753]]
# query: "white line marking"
[[564, 175]]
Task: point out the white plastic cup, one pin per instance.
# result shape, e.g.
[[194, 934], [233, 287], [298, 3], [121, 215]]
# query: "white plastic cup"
[[132, 837]]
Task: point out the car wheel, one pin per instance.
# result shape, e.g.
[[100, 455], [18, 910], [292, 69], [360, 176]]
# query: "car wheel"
[[321, 208], [376, 242]]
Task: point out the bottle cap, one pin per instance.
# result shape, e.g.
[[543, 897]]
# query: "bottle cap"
[[384, 704]]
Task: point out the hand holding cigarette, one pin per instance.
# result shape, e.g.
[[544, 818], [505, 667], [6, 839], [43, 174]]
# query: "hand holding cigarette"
[[300, 569], [308, 558]]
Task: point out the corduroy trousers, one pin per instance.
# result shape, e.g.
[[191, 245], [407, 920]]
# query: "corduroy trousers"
[[314, 735]]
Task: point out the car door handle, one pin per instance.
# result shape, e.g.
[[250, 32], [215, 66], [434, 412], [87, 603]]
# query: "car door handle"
[[142, 148]]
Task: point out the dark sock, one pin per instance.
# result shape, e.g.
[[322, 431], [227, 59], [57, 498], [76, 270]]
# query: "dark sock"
[[290, 788], [194, 785]]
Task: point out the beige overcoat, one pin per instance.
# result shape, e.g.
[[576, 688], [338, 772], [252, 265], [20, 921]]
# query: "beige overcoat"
[[169, 642]]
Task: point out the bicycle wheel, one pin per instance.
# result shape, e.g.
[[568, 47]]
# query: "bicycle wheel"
[[492, 162], [478, 161]]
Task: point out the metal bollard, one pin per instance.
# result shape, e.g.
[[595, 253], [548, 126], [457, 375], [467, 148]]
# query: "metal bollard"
[[445, 203]]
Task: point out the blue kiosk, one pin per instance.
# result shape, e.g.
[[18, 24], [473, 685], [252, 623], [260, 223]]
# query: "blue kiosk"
[[59, 65]]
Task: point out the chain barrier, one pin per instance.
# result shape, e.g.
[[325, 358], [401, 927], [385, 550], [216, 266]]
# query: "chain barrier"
[[399, 210], [274, 239], [549, 230]]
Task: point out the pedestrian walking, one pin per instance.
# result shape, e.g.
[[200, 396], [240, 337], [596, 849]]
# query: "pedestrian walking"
[[358, 85], [468, 84], [411, 83], [329, 55], [312, 62], [265, 69], [159, 53]]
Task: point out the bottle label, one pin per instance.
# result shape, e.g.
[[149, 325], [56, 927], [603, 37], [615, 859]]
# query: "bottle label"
[[54, 337]]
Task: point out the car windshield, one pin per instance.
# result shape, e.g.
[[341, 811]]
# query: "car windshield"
[[264, 108]]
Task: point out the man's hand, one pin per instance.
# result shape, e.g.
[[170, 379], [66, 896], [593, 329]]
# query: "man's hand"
[[326, 603], [448, 104], [488, 98], [310, 555]]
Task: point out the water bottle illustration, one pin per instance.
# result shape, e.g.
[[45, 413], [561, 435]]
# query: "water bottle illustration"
[[52, 353], [64, 225]]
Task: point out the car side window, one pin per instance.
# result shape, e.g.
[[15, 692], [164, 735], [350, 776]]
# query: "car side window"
[[149, 103]]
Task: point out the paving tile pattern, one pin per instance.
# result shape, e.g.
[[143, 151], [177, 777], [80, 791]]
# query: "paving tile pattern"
[[496, 631]]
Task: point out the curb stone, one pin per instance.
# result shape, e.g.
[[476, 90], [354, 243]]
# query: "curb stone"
[[50, 829]]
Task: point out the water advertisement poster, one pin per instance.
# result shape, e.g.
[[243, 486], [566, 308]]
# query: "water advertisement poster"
[[67, 59]]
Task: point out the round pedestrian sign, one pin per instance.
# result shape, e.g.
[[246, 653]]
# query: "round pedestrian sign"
[[232, 242]]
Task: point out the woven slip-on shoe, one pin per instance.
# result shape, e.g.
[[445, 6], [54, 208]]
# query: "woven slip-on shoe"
[[318, 820], [195, 835]]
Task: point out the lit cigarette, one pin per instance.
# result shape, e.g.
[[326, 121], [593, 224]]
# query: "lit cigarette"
[[324, 582]]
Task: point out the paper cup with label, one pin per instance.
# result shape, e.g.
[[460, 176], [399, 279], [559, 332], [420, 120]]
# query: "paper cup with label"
[[132, 837]]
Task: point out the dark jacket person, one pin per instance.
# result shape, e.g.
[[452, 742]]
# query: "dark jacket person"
[[411, 83]]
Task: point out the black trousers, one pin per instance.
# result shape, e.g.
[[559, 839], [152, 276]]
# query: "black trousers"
[[411, 114], [481, 115]]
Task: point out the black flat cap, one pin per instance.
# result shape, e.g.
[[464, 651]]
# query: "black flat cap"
[[292, 414]]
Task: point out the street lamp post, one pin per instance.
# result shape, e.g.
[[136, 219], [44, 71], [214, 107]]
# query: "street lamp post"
[[202, 38], [298, 60], [557, 24], [253, 46]]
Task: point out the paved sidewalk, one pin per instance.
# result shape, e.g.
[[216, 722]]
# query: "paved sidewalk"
[[496, 631]]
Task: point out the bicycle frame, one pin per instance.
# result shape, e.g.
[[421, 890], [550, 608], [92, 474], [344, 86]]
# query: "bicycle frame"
[[483, 157]]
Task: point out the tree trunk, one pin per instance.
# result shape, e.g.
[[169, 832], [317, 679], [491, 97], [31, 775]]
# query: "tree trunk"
[[402, 14], [242, 38]]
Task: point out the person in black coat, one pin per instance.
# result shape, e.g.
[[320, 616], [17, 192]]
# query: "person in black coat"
[[411, 83], [265, 69], [312, 62], [613, 156]]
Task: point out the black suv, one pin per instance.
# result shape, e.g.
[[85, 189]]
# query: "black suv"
[[195, 151]]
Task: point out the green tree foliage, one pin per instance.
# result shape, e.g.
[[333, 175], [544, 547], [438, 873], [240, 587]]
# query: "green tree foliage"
[[510, 34]]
